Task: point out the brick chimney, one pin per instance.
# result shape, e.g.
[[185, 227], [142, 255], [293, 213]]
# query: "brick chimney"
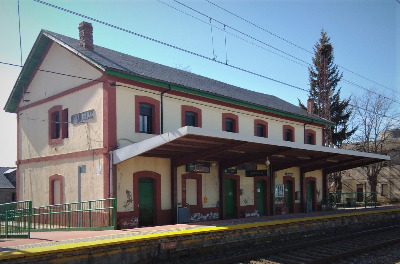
[[86, 35], [310, 106]]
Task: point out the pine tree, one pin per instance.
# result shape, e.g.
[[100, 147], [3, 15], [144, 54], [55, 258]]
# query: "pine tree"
[[339, 112]]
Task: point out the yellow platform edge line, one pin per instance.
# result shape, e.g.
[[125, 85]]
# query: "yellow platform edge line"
[[32, 252]]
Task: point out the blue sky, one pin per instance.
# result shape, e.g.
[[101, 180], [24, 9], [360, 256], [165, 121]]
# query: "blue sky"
[[364, 33]]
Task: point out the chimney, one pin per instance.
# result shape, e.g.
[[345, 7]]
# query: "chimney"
[[86, 35], [310, 106]]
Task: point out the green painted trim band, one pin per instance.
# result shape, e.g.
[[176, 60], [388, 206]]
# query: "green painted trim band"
[[204, 94]]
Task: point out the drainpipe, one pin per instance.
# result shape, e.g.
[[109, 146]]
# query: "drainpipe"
[[162, 108], [111, 174]]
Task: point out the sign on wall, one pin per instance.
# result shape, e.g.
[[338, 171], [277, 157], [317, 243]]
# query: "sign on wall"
[[279, 190], [82, 117], [246, 166], [257, 173], [199, 167]]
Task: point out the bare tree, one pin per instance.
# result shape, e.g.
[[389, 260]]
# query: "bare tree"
[[373, 115]]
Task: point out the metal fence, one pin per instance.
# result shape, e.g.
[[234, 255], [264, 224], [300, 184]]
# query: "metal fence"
[[15, 219], [352, 199], [18, 219], [96, 214]]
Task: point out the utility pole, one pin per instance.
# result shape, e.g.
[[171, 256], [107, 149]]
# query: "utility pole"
[[324, 101]]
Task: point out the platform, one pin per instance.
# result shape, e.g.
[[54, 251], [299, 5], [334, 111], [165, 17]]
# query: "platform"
[[172, 239]]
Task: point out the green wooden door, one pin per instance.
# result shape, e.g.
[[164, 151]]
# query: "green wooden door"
[[289, 196], [146, 202], [229, 199], [260, 197], [310, 196]]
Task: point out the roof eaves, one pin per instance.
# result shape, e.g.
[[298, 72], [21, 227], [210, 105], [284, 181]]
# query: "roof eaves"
[[164, 84]]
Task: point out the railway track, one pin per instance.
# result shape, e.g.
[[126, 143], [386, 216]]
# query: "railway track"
[[320, 251]]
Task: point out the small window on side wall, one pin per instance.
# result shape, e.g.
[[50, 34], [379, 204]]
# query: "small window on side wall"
[[58, 124]]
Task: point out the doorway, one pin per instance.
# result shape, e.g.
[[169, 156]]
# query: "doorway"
[[289, 195], [260, 196], [229, 199], [146, 202]]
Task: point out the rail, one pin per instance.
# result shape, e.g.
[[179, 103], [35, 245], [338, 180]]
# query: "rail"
[[15, 219], [89, 215], [352, 199]]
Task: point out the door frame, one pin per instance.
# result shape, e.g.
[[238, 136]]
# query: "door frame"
[[291, 179], [267, 191], [314, 200], [236, 182], [157, 192]]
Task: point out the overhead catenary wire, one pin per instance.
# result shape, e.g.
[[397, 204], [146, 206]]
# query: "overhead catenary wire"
[[295, 45], [299, 61], [170, 45], [171, 97], [20, 35]]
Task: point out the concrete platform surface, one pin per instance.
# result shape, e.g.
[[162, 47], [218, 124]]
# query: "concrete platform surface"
[[59, 240]]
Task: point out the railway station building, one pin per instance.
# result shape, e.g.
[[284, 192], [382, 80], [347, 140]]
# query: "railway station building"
[[96, 123]]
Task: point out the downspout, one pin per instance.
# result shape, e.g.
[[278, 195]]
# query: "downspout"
[[111, 174], [162, 108]]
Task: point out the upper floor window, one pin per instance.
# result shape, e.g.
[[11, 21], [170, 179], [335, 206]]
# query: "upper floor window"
[[260, 128], [309, 137], [58, 124], [230, 123], [147, 115], [190, 119], [191, 116], [288, 133], [146, 118]]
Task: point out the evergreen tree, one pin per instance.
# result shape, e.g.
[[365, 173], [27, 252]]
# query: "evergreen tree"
[[339, 109]]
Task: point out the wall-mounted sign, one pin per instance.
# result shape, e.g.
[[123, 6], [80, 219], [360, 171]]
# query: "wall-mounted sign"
[[82, 117], [231, 171], [247, 166], [288, 173], [257, 173], [199, 167], [279, 190]]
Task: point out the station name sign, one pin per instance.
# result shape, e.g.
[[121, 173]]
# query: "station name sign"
[[247, 166], [82, 117], [199, 167], [257, 173]]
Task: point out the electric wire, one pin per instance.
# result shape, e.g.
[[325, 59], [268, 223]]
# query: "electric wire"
[[295, 45], [299, 61], [170, 45], [232, 34], [19, 30], [176, 98]]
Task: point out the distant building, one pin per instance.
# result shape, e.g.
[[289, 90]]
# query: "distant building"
[[95, 123], [7, 184], [388, 188]]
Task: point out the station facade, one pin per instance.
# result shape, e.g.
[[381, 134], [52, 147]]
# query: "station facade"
[[95, 123]]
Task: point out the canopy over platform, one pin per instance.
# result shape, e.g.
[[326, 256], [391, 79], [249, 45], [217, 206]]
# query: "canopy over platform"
[[188, 144]]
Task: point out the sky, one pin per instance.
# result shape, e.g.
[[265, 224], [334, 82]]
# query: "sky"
[[275, 46]]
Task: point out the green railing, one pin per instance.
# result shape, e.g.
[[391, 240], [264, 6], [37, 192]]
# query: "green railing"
[[15, 219], [352, 199], [88, 215]]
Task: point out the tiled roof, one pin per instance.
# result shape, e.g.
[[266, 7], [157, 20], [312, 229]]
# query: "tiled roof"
[[4, 182], [112, 60]]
